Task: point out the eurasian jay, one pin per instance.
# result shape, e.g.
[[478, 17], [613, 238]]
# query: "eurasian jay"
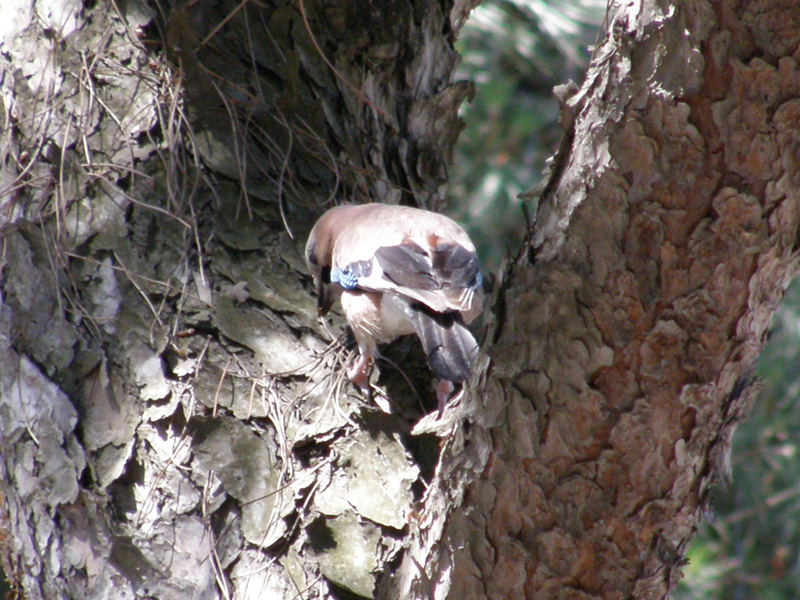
[[400, 270]]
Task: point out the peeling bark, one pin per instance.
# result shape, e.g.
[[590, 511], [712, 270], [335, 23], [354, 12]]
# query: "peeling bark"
[[174, 422], [631, 324]]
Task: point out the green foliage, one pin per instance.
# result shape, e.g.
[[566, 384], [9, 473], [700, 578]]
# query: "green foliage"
[[515, 52], [750, 550]]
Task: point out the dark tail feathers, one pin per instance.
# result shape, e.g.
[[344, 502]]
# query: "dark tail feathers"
[[447, 342]]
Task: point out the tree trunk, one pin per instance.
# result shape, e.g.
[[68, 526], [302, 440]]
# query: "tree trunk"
[[174, 419]]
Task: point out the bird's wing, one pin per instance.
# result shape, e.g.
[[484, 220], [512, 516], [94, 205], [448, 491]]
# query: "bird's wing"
[[423, 256], [444, 278]]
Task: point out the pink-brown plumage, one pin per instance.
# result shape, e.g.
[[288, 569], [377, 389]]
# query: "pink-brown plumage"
[[400, 270]]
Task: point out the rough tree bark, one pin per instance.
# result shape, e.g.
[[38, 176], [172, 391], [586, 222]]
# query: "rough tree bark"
[[173, 422]]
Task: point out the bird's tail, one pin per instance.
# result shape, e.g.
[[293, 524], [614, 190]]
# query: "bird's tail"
[[447, 342]]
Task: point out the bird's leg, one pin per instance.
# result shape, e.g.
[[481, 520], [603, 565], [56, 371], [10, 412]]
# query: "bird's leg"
[[359, 309], [444, 391], [358, 372]]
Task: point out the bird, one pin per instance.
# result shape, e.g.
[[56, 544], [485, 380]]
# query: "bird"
[[398, 271]]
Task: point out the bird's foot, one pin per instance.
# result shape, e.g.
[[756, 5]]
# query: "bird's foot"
[[444, 392], [358, 373]]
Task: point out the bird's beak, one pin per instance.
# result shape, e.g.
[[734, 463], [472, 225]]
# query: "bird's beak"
[[324, 292]]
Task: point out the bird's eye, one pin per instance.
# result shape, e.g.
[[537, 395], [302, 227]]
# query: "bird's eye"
[[311, 257]]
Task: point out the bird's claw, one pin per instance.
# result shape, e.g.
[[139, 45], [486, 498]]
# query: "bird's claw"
[[358, 373]]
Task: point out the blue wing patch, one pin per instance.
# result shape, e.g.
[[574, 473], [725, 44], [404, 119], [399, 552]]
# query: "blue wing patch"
[[345, 278], [348, 276]]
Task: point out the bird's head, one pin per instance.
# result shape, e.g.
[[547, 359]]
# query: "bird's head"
[[319, 253]]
